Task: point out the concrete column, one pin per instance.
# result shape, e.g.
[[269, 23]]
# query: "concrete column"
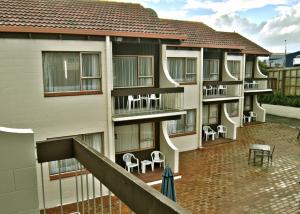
[[18, 179], [200, 109]]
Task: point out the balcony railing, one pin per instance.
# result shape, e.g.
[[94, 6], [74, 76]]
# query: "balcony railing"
[[221, 89], [258, 84], [118, 191], [142, 101]]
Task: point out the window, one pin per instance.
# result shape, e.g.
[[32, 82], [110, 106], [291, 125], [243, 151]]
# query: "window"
[[249, 69], [210, 114], [183, 70], [133, 71], [233, 109], [211, 69], [234, 68], [187, 124], [71, 72], [134, 137], [248, 103], [94, 140]]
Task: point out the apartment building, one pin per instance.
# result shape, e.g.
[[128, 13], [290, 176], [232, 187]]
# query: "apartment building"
[[121, 79]]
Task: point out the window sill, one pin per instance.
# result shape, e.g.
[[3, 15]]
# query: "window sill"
[[75, 93], [181, 134], [68, 174]]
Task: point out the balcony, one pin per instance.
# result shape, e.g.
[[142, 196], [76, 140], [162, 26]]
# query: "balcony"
[[100, 186], [221, 91], [147, 103], [258, 85]]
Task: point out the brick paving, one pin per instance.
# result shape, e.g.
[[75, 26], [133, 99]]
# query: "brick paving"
[[219, 179]]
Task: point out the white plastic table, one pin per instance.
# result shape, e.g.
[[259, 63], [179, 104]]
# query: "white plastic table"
[[144, 164]]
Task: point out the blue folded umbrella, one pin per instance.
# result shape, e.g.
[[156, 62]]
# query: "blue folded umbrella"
[[168, 187]]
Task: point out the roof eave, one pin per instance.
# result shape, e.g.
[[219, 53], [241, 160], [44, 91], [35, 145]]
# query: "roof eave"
[[211, 46], [91, 32]]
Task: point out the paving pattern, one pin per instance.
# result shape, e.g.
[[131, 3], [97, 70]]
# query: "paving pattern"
[[218, 179]]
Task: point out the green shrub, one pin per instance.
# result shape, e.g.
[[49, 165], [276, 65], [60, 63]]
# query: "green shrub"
[[279, 99]]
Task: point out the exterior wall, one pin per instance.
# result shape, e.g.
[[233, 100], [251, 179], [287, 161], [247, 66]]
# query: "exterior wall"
[[18, 189], [283, 111], [23, 104], [191, 101]]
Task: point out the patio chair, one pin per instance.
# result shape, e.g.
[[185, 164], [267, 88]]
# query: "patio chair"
[[222, 130], [132, 100], [209, 131], [157, 157], [269, 155], [127, 158], [156, 99], [222, 90], [253, 84], [207, 89], [253, 115]]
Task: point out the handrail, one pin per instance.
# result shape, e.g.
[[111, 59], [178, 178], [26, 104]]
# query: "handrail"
[[238, 82], [145, 90], [137, 195]]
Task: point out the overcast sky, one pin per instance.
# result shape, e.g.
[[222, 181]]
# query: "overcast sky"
[[266, 22]]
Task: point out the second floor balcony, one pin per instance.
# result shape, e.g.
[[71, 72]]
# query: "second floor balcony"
[[221, 90], [258, 85], [146, 103]]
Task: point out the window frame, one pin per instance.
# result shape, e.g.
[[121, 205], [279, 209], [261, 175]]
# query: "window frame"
[[185, 70], [79, 92], [209, 113], [138, 71], [72, 173], [234, 73], [140, 140], [184, 133]]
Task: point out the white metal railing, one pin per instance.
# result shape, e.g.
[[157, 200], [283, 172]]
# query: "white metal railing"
[[255, 84]]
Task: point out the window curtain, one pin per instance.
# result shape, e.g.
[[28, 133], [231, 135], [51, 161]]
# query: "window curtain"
[[61, 72], [234, 68], [126, 138], [205, 115], [190, 121], [233, 109], [94, 141], [247, 103], [146, 135], [249, 69], [211, 69], [125, 71], [176, 67], [191, 70], [91, 68], [145, 71], [213, 114]]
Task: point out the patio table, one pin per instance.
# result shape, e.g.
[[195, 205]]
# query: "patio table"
[[144, 164], [259, 148]]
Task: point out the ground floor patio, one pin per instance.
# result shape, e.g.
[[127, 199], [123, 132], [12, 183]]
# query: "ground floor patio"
[[218, 179]]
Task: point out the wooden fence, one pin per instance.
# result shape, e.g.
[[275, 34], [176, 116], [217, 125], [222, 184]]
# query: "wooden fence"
[[287, 80]]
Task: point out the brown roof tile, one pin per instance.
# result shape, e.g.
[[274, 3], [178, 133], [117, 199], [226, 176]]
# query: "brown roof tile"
[[201, 35], [83, 17]]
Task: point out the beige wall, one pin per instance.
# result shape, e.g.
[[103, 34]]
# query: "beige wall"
[[23, 104]]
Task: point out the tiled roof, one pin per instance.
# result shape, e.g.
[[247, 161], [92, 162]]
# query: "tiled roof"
[[89, 17], [201, 35]]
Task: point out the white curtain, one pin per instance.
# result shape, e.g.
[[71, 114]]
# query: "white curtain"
[[213, 114], [176, 67], [125, 71], [233, 109], [211, 69], [94, 141], [190, 121], [91, 69], [191, 70], [145, 71], [146, 135], [234, 67], [205, 115], [249, 69], [126, 138], [187, 123], [61, 71]]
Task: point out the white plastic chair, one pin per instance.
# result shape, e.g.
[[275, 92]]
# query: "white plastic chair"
[[156, 99], [223, 89], [209, 131], [254, 84], [222, 130], [157, 157], [253, 115], [207, 89], [132, 100], [128, 164]]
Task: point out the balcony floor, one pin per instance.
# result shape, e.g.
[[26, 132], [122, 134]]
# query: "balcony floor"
[[143, 113]]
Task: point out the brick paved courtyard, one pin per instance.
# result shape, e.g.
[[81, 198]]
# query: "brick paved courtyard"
[[218, 179]]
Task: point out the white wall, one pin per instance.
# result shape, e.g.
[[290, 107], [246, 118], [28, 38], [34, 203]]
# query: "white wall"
[[18, 189], [191, 101], [23, 104], [283, 111]]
